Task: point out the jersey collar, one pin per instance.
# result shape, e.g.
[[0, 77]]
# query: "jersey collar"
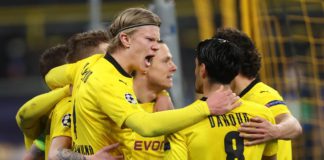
[[249, 87], [109, 58]]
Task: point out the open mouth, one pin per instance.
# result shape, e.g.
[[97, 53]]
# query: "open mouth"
[[148, 60], [170, 77]]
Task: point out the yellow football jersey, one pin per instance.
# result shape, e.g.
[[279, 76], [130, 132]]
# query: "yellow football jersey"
[[103, 99], [261, 93], [151, 148], [217, 137], [28, 142], [59, 123]]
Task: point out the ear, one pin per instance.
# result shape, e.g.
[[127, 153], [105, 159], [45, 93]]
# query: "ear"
[[124, 39], [203, 71]]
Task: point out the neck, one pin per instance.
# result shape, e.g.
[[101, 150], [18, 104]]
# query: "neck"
[[240, 83], [211, 87], [142, 89], [123, 61]]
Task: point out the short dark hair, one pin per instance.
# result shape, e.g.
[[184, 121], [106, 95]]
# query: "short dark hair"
[[251, 57], [82, 45], [221, 58], [52, 57]]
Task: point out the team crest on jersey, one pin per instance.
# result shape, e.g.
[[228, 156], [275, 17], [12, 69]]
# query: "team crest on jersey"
[[66, 120], [130, 98]]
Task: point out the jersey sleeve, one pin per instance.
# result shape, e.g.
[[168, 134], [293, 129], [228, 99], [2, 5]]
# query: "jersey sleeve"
[[176, 147], [274, 102], [28, 116], [61, 75], [61, 119], [28, 142], [166, 122], [278, 107], [65, 74]]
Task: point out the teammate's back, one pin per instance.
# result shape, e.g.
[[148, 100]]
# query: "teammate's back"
[[218, 61], [216, 137]]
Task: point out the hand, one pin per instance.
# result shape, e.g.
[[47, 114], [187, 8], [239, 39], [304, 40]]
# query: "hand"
[[258, 130], [222, 101], [103, 154]]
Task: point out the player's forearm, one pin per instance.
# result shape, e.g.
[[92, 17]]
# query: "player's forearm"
[[165, 122], [64, 154], [288, 126], [34, 109], [34, 154]]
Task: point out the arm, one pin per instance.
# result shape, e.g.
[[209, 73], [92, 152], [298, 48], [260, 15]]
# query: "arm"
[[61, 142], [34, 153], [65, 74], [58, 145], [288, 126], [124, 111], [61, 75], [165, 122], [60, 150], [260, 130], [28, 116]]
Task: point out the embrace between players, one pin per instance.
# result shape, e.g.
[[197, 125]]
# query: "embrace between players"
[[108, 99]]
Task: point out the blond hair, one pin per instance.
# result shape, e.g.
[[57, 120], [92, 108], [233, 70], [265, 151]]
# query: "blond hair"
[[127, 21]]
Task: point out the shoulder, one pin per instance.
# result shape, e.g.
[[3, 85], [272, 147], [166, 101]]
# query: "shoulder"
[[267, 91], [255, 109], [262, 94], [64, 106]]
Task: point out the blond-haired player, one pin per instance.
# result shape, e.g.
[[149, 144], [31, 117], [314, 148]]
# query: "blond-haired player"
[[103, 95]]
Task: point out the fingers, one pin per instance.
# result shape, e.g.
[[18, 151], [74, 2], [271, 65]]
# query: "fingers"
[[236, 104], [233, 98], [110, 147], [254, 142], [222, 101], [252, 125], [257, 119], [250, 130]]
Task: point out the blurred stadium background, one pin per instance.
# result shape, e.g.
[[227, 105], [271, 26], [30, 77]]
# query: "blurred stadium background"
[[288, 33]]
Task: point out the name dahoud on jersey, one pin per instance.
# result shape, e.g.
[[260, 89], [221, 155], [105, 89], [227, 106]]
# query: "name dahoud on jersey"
[[231, 119]]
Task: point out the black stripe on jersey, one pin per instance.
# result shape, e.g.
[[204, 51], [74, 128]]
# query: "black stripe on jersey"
[[275, 102], [74, 121], [167, 146], [211, 121], [249, 87], [109, 58]]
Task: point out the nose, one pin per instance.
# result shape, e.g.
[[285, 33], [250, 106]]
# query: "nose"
[[155, 47], [173, 67]]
